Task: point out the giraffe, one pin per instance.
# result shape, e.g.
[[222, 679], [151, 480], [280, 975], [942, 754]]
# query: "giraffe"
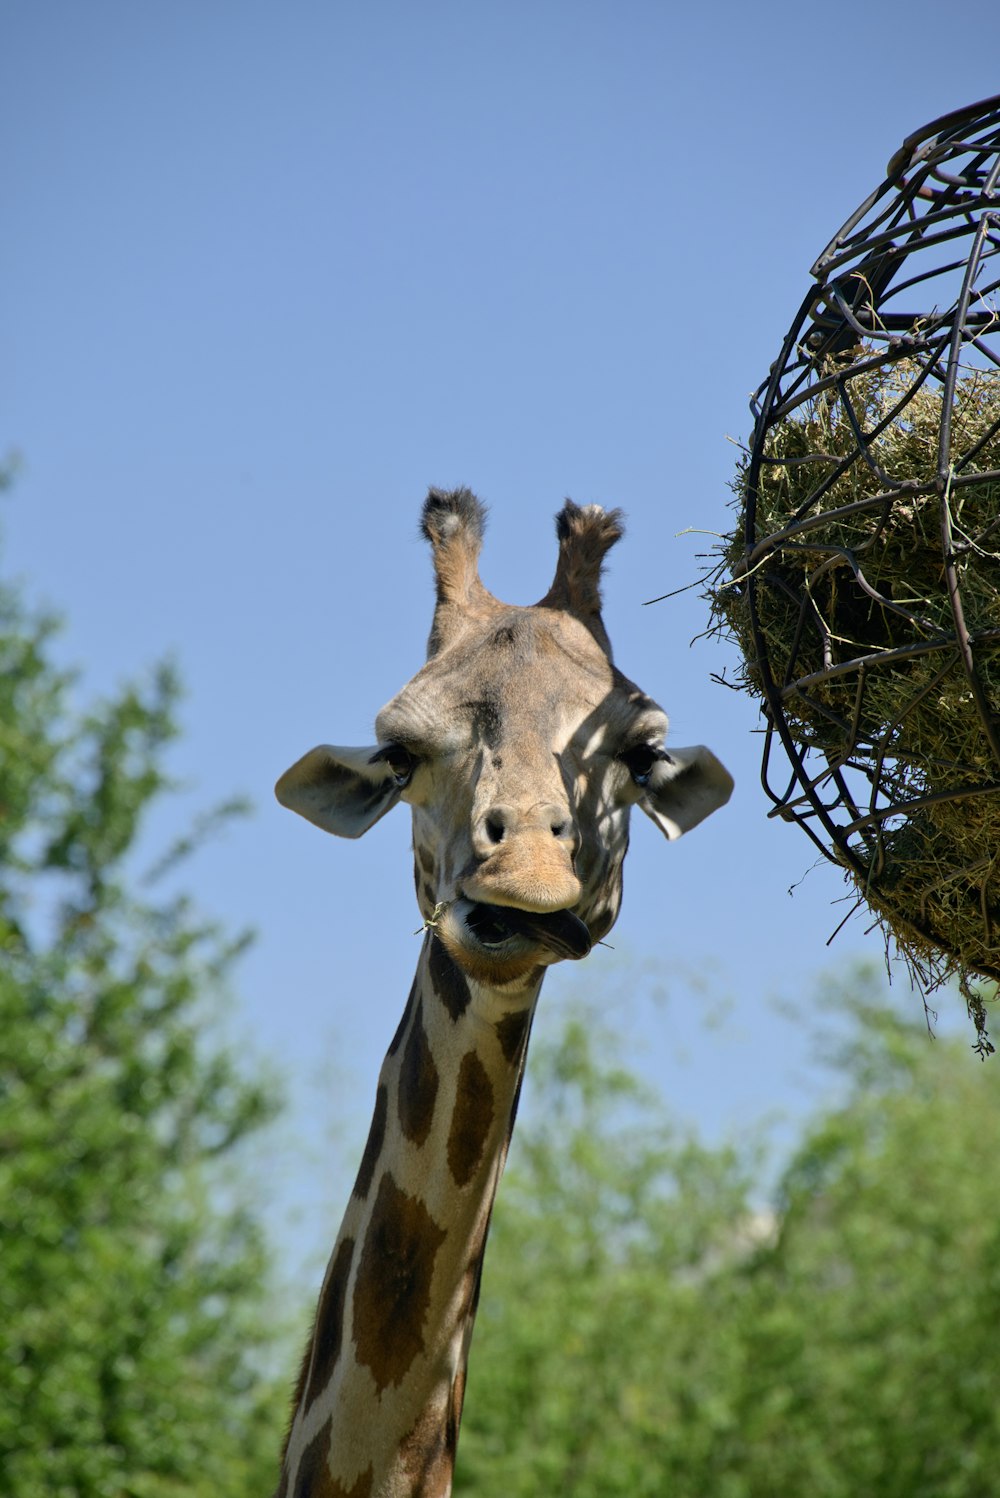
[[520, 749]]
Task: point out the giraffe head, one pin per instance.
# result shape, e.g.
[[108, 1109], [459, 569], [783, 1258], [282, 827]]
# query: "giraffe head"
[[521, 750]]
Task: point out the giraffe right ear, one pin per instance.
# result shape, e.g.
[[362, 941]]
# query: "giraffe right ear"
[[344, 791]]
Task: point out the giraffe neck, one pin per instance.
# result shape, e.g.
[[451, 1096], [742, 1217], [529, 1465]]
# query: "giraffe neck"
[[380, 1393]]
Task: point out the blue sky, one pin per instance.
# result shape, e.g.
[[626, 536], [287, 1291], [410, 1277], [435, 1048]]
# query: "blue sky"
[[269, 271]]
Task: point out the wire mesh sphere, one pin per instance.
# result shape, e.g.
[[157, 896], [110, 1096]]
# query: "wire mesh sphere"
[[863, 582]]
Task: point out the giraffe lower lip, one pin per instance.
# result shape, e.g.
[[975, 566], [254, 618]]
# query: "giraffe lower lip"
[[559, 930]]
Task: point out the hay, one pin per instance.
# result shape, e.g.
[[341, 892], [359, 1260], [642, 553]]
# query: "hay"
[[834, 586]]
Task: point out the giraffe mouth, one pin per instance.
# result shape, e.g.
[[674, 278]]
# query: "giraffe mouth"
[[560, 931]]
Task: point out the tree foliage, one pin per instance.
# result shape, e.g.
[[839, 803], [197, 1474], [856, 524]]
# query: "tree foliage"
[[646, 1329], [132, 1335]]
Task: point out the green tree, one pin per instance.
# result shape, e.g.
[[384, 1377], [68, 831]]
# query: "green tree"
[[871, 1325], [609, 1227], [644, 1331], [132, 1335]]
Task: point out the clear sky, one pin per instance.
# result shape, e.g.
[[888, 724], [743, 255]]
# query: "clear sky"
[[270, 270]]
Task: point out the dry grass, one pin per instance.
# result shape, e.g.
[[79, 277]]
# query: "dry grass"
[[857, 627]]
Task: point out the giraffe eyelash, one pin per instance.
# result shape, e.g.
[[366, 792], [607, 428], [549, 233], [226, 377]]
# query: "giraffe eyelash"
[[641, 759], [400, 761]]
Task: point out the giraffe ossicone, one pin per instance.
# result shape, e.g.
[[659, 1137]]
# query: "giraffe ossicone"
[[521, 751]]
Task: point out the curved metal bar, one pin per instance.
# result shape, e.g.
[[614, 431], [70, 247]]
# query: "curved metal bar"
[[910, 275]]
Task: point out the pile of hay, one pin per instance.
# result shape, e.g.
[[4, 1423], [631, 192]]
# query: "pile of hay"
[[843, 562]]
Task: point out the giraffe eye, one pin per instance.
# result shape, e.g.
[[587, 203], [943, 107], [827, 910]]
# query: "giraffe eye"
[[400, 761], [640, 760]]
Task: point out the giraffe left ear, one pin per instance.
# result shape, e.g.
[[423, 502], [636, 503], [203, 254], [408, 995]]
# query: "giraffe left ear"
[[344, 791], [685, 787]]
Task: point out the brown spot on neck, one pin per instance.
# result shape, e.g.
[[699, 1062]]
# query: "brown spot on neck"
[[404, 1022], [328, 1331], [471, 1120], [427, 1453], [314, 1479], [512, 1033], [373, 1145], [458, 1398], [325, 1339], [418, 1082], [393, 1284], [449, 983]]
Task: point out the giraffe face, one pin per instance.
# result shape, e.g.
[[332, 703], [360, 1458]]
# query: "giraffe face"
[[516, 742], [521, 750]]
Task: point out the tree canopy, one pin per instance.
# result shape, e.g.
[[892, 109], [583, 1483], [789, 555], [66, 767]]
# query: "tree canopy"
[[648, 1326], [132, 1333]]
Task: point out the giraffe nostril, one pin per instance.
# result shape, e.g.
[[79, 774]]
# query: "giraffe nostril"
[[494, 829], [559, 829]]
